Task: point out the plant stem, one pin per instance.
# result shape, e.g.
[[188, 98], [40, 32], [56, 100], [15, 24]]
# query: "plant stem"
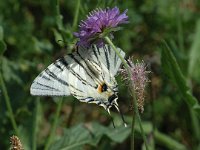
[[69, 120], [35, 124], [75, 22], [133, 132], [8, 105], [53, 128], [58, 16], [59, 22], [133, 92], [180, 28]]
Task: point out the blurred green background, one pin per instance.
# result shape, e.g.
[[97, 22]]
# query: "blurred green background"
[[36, 33]]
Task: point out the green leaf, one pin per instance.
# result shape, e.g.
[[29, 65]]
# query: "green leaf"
[[172, 69], [77, 136], [169, 142], [118, 134], [74, 138], [194, 55], [91, 134], [9, 69], [160, 138], [2, 43], [1, 33], [2, 47]]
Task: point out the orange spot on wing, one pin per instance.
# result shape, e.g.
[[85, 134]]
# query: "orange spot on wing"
[[99, 89]]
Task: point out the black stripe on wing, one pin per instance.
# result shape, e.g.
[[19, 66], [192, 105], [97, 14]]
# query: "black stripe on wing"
[[46, 87], [115, 59], [51, 74], [57, 65], [44, 77], [78, 62], [64, 62], [91, 67], [87, 100], [106, 57], [75, 88], [94, 49], [76, 95]]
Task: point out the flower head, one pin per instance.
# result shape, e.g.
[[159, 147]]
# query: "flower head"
[[137, 81], [15, 143], [98, 24]]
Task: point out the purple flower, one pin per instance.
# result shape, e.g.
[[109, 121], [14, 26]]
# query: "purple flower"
[[98, 24], [137, 81]]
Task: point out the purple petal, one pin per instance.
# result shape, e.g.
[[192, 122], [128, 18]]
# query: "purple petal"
[[97, 21]]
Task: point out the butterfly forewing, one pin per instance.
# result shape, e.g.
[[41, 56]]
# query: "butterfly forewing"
[[52, 81], [80, 74]]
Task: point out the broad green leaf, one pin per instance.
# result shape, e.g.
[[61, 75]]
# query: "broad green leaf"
[[172, 69], [76, 137], [90, 134], [118, 134], [194, 55]]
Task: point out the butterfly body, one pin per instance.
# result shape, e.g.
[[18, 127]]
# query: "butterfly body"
[[87, 74]]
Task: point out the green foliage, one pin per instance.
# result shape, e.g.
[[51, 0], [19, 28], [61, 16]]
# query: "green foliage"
[[33, 34], [194, 55], [170, 66], [91, 134], [2, 43]]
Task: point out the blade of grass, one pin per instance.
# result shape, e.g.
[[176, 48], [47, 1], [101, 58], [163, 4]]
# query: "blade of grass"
[[8, 105], [3, 86], [75, 22], [173, 70], [35, 124], [180, 28], [55, 122]]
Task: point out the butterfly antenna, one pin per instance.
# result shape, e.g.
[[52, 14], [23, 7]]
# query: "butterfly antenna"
[[124, 122], [108, 110]]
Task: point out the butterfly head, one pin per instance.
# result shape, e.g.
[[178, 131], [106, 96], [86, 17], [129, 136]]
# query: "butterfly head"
[[109, 95]]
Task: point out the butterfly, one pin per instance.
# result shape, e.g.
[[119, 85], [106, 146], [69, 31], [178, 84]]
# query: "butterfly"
[[88, 74]]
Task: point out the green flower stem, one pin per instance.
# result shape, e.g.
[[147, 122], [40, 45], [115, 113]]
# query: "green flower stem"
[[133, 93], [75, 22], [35, 124], [59, 21], [8, 105], [53, 128], [180, 28], [58, 16], [133, 131]]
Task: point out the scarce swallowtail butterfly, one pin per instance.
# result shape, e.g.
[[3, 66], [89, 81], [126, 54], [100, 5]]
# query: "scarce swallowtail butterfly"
[[87, 74]]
